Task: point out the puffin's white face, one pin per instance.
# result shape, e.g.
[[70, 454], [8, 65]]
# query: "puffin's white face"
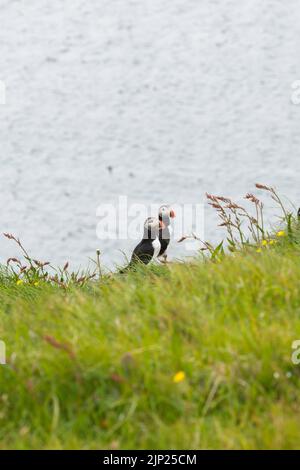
[[152, 224], [165, 213]]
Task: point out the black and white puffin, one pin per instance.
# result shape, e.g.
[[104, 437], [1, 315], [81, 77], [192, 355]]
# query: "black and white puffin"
[[149, 247], [165, 214]]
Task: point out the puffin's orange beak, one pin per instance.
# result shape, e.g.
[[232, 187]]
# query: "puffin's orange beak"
[[172, 214]]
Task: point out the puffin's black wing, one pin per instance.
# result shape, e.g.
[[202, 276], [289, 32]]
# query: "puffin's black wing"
[[143, 252], [164, 238]]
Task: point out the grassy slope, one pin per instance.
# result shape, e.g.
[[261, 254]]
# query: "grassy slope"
[[229, 326]]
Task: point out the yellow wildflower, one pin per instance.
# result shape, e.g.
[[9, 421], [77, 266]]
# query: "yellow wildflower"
[[258, 250], [36, 283], [264, 242], [272, 242], [19, 282], [179, 377], [281, 233]]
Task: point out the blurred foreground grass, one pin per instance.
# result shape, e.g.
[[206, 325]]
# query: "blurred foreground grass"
[[191, 355]]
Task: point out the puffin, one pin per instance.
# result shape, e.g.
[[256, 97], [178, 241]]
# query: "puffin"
[[165, 214], [149, 247]]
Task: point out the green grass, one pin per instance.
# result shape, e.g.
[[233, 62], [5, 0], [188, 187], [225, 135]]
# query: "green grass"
[[93, 367]]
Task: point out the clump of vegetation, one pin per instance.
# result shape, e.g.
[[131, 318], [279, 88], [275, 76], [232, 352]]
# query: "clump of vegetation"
[[32, 271], [234, 217], [184, 355]]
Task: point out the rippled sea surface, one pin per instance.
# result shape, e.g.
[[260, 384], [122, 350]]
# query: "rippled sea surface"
[[158, 100]]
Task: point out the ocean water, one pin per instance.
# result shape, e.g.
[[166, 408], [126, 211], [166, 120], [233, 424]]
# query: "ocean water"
[[156, 100]]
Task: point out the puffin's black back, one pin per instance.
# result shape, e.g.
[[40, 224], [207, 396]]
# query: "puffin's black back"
[[144, 251], [164, 238], [164, 233]]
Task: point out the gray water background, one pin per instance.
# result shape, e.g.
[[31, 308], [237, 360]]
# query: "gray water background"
[[179, 97]]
